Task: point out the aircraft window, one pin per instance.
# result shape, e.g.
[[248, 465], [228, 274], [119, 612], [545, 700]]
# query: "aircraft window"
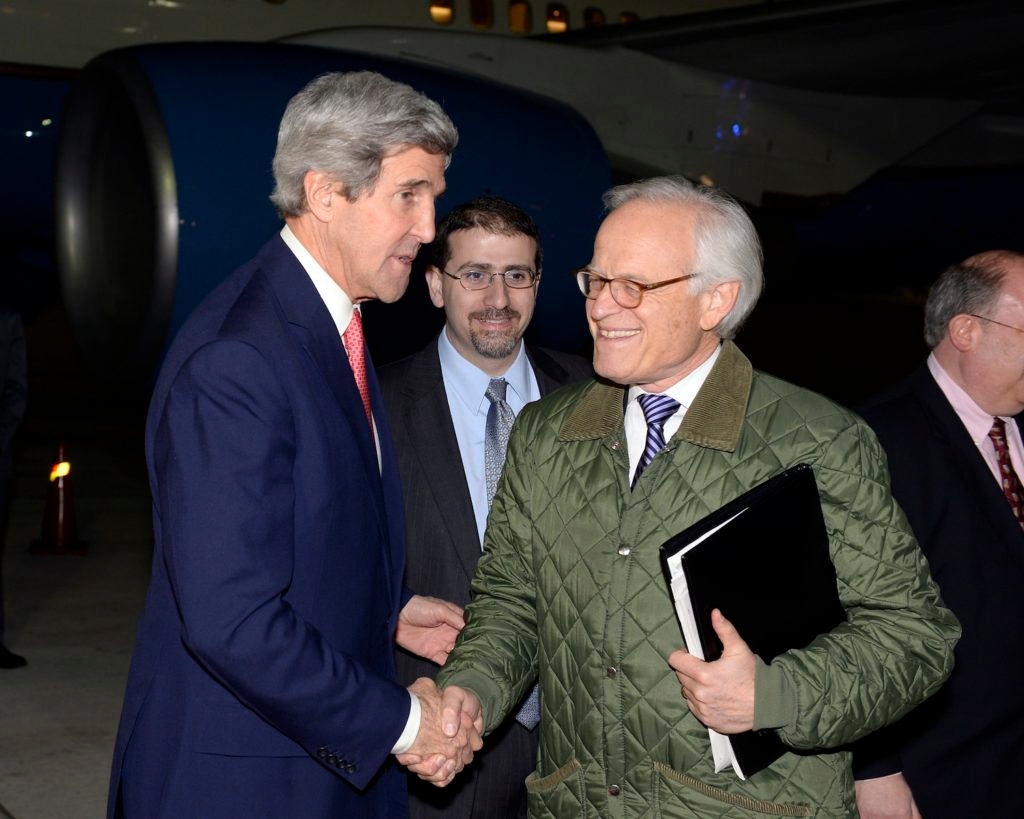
[[558, 18], [442, 12], [628, 17], [481, 13], [593, 17], [520, 17]]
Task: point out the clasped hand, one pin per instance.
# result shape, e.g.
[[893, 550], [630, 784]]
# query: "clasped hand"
[[451, 725]]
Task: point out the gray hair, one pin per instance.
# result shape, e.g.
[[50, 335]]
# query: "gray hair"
[[346, 125], [727, 246], [972, 286]]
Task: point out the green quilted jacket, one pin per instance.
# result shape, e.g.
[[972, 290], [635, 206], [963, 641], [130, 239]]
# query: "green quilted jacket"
[[570, 585]]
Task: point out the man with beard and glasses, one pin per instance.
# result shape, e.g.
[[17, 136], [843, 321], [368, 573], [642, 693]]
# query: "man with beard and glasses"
[[484, 271]]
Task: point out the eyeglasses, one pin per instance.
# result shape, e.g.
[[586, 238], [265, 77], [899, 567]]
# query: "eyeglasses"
[[518, 278], [626, 292], [993, 321]]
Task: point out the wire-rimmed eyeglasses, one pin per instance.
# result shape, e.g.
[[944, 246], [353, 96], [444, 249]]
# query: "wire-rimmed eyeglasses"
[[626, 292], [1000, 323], [518, 278]]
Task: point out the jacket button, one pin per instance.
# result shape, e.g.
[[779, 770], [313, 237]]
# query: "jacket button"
[[614, 790], [322, 753], [624, 549], [611, 671]]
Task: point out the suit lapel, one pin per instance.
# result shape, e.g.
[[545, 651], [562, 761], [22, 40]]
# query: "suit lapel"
[[312, 323], [425, 410], [394, 513], [978, 480], [549, 373], [316, 331]]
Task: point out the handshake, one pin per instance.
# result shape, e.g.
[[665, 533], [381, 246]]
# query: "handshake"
[[451, 725]]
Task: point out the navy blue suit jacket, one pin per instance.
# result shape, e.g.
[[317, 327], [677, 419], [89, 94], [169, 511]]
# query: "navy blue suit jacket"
[[262, 683], [962, 751]]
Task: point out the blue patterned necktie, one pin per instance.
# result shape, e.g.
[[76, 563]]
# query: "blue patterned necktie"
[[658, 408], [499, 424]]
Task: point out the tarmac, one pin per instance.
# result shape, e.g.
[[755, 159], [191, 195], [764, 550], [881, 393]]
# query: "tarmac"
[[72, 616]]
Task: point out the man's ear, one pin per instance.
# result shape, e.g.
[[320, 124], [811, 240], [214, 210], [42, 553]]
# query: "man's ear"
[[322, 194], [434, 282], [718, 303], [962, 332]]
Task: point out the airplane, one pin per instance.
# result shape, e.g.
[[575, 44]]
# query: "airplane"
[[828, 176], [59, 33], [154, 155]]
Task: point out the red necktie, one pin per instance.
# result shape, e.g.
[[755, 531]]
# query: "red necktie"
[[1007, 477], [355, 347]]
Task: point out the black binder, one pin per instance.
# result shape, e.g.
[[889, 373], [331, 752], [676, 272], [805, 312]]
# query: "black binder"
[[763, 560]]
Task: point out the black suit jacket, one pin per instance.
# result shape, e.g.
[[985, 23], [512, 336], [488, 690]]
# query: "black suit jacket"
[[962, 751], [442, 552]]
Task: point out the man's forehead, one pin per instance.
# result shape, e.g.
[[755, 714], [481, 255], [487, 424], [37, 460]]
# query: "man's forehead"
[[641, 227], [652, 211], [471, 238], [415, 167], [1011, 290]]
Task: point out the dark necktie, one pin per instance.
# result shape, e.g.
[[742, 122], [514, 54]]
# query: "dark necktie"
[[1007, 477], [657, 409], [355, 348], [499, 424]]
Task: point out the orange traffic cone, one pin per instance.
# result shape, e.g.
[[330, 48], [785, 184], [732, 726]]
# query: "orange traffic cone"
[[60, 524]]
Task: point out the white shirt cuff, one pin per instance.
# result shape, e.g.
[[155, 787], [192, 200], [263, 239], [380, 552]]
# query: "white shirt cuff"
[[412, 727]]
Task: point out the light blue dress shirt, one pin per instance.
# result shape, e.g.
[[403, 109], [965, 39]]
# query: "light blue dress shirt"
[[465, 385]]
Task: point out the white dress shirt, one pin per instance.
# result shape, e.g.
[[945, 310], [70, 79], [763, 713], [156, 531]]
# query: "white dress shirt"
[[683, 391]]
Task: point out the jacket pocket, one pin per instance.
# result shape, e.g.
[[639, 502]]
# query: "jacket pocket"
[[231, 729], [671, 786], [559, 794]]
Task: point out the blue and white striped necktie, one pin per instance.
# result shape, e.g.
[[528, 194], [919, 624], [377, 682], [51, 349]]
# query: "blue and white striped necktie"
[[658, 408]]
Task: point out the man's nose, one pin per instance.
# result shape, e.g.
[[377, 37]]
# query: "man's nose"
[[603, 304], [496, 294], [425, 229]]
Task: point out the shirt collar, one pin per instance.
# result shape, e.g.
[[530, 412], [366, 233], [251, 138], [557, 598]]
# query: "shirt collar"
[[974, 418], [686, 389], [337, 300], [469, 382]]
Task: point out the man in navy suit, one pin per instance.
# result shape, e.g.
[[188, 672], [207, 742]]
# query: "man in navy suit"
[[484, 271], [263, 680], [952, 436]]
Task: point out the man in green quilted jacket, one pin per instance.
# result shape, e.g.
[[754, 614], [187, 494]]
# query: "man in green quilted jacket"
[[570, 585]]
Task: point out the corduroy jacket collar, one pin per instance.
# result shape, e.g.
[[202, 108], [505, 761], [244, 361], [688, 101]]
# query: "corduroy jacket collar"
[[714, 420]]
